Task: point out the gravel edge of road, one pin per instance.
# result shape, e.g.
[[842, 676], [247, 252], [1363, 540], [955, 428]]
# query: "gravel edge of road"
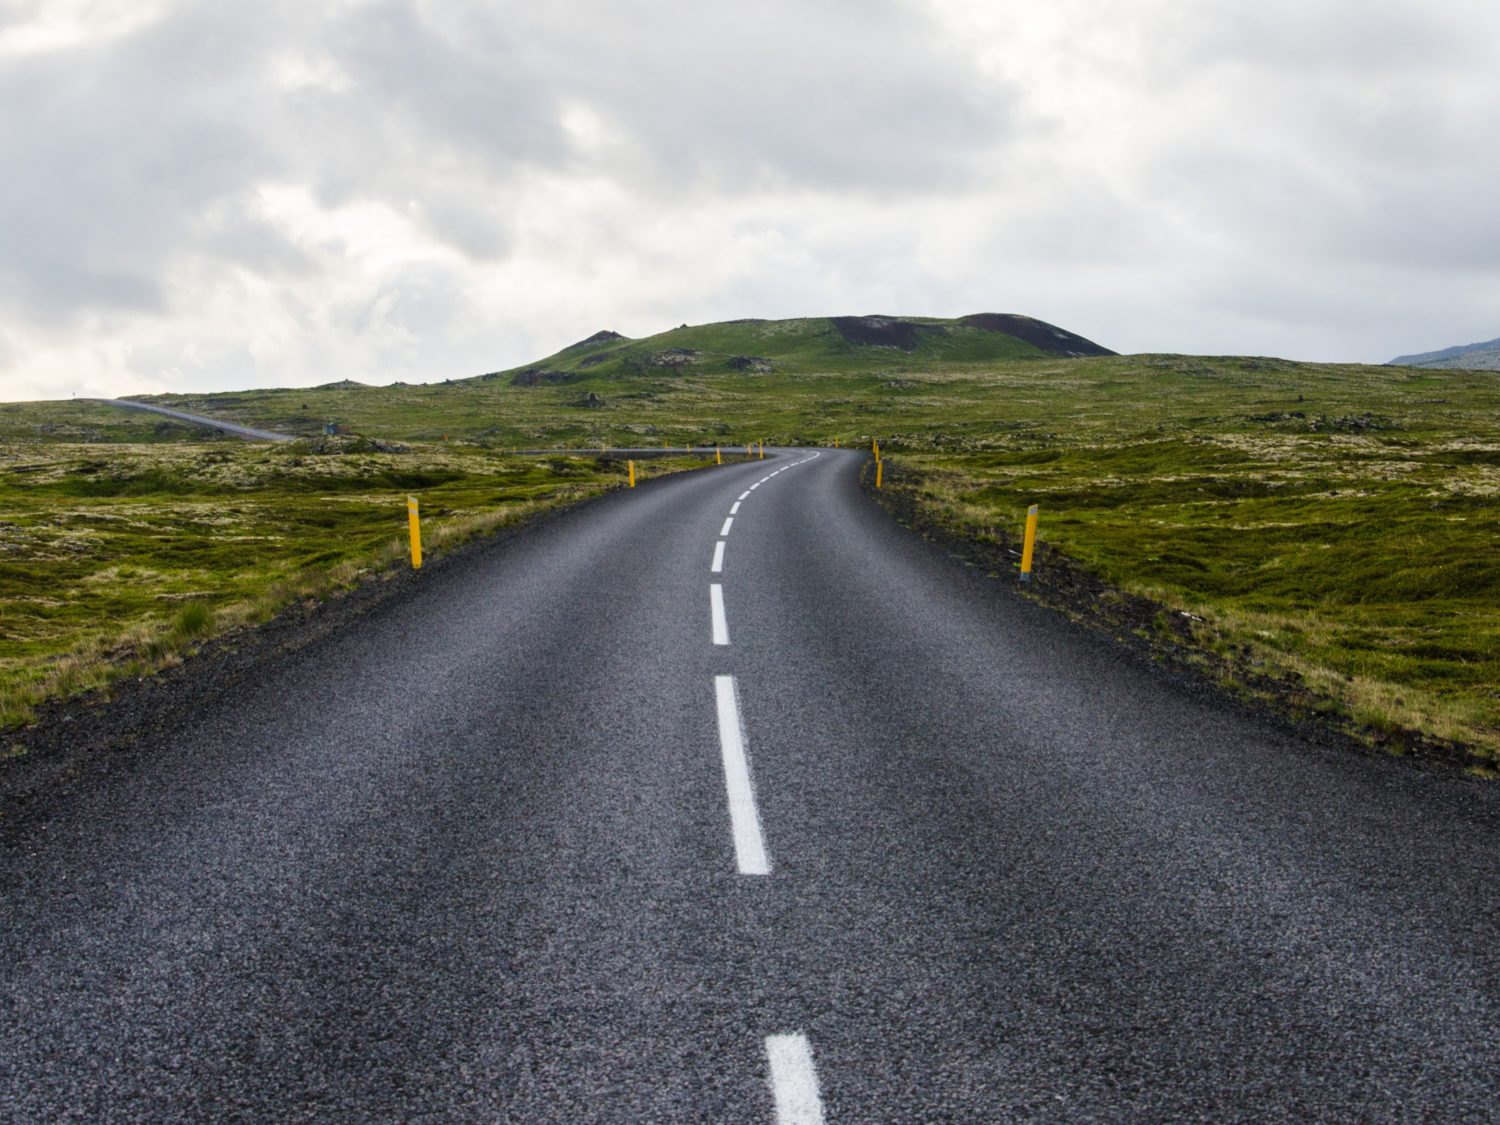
[[84, 737], [1120, 619]]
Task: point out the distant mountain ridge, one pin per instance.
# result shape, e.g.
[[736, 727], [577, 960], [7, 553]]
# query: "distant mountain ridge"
[[814, 344], [1479, 357]]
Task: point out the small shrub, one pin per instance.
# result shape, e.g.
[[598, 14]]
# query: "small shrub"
[[194, 619]]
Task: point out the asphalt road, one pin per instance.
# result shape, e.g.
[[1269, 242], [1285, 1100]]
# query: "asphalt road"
[[531, 845], [249, 433]]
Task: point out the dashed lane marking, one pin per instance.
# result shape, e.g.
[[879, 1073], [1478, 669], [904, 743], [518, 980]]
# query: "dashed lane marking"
[[744, 819], [718, 563], [794, 1081], [716, 608], [726, 527]]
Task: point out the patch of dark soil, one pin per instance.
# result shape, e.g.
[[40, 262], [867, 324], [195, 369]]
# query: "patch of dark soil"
[[602, 337], [1352, 423], [882, 331], [1038, 333], [1158, 636], [1277, 416], [595, 360], [755, 364], [356, 443], [536, 376]]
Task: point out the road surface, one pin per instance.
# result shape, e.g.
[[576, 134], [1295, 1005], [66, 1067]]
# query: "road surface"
[[247, 432], [727, 799]]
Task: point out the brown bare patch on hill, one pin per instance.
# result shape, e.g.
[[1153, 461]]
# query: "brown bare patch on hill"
[[1038, 333], [879, 331]]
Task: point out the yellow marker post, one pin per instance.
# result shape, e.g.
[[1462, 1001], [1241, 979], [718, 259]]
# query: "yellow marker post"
[[878, 467], [718, 460], [631, 465], [414, 525], [1029, 546], [762, 451], [875, 448]]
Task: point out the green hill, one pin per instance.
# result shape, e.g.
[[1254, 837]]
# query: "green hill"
[[819, 344]]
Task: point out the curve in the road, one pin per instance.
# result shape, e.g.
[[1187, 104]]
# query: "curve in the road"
[[479, 857], [249, 433]]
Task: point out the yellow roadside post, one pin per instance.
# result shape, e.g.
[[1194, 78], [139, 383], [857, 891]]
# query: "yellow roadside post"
[[878, 467], [414, 525], [762, 451], [631, 464], [718, 460], [1029, 546]]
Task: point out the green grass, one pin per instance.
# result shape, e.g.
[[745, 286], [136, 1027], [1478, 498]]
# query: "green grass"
[[117, 560], [1331, 523], [1363, 572]]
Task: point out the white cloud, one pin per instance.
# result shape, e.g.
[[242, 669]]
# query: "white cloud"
[[217, 195], [44, 26]]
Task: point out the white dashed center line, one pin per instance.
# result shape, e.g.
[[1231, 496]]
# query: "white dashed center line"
[[716, 606], [744, 494], [794, 1081], [727, 524], [744, 820], [718, 563], [735, 507]]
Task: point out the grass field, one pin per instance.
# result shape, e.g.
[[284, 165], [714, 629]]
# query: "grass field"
[[1330, 523], [116, 559]]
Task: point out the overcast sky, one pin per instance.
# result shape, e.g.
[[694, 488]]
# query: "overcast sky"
[[225, 194]]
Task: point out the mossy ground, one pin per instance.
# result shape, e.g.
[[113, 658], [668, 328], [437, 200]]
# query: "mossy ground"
[[117, 559]]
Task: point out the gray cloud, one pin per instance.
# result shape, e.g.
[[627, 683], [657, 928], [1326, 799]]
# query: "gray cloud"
[[285, 192]]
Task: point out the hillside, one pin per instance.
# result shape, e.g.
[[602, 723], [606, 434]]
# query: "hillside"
[[1473, 357], [818, 344]]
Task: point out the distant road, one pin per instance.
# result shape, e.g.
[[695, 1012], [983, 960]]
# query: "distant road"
[[728, 799], [247, 432]]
